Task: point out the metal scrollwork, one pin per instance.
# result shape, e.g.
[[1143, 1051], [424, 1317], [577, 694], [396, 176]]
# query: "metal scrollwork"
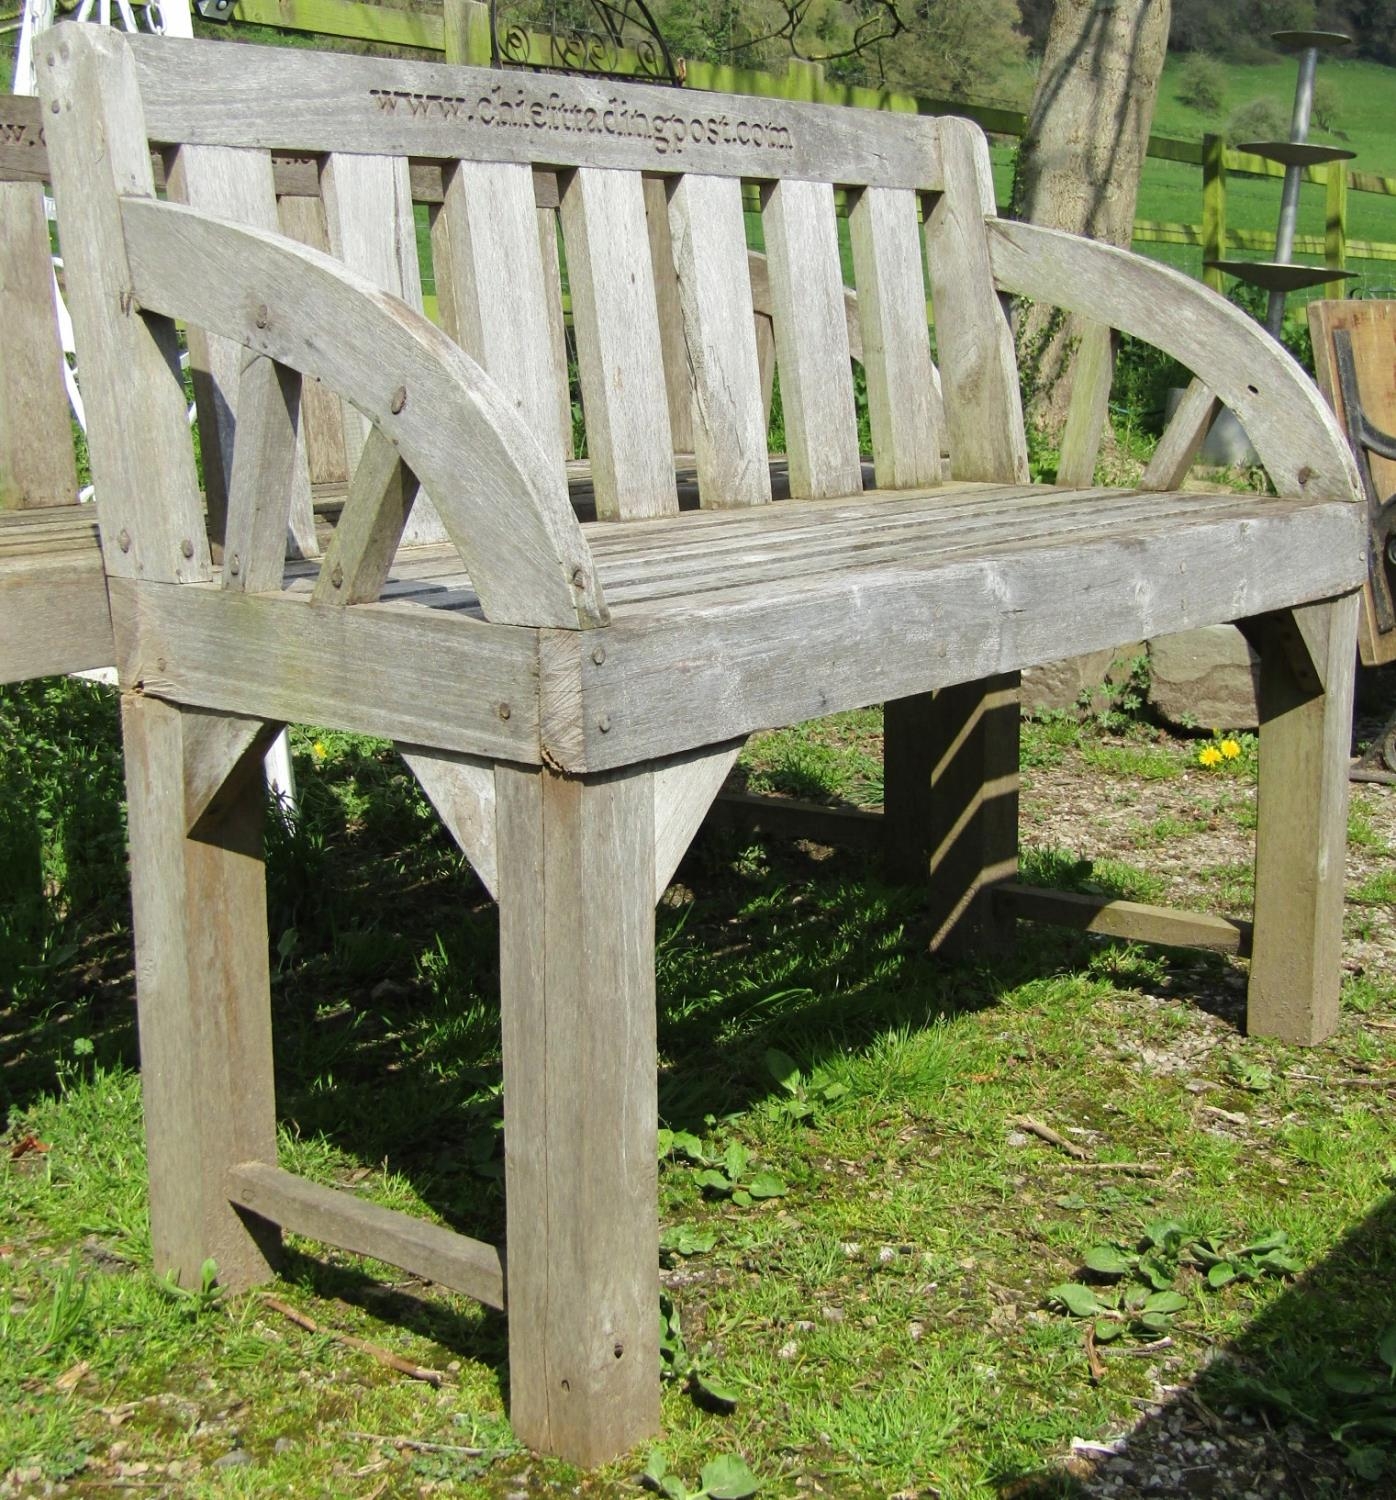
[[607, 38]]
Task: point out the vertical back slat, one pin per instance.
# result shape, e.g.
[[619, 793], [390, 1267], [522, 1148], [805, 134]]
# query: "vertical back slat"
[[152, 513], [557, 323], [492, 275], [322, 421], [903, 406], [235, 184], [729, 417], [667, 300], [36, 441], [974, 343], [618, 353], [368, 216], [812, 355]]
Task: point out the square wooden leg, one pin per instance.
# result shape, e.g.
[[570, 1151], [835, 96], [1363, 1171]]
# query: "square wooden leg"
[[950, 765], [1308, 659], [576, 900], [204, 1001]]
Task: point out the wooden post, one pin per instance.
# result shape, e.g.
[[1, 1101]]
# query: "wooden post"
[[1090, 405], [36, 437], [1335, 231], [576, 866], [200, 913], [951, 800], [1307, 665], [1213, 209], [467, 33]]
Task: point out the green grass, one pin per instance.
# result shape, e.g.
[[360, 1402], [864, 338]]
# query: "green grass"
[[883, 1323]]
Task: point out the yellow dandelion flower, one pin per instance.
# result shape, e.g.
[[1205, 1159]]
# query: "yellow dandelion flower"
[[1209, 755], [1230, 749], [318, 750]]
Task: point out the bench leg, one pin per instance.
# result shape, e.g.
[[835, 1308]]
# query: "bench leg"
[[576, 921], [1307, 664], [950, 769], [203, 997]]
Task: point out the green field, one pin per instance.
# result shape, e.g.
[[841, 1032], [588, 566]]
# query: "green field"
[[1172, 191]]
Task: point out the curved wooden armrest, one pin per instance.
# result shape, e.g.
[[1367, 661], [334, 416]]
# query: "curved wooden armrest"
[[505, 509], [1293, 430]]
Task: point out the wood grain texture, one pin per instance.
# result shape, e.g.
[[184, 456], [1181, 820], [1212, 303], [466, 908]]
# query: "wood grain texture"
[[727, 425], [904, 408], [268, 463], [816, 383], [274, 657], [1131, 921], [302, 217], [232, 184], [1093, 371], [500, 303], [461, 789], [576, 920], [507, 512], [36, 438], [1301, 833], [1371, 326], [1182, 439], [54, 615], [709, 666], [670, 313], [951, 805], [684, 789], [332, 102], [557, 324], [220, 750], [974, 344], [152, 512], [203, 1006], [360, 552], [619, 359], [371, 228], [1296, 435], [339, 1218]]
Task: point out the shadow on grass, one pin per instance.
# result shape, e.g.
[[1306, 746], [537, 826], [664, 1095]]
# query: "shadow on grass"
[[1302, 1403], [384, 957]]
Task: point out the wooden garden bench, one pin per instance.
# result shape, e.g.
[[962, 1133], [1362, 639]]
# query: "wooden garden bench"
[[571, 692]]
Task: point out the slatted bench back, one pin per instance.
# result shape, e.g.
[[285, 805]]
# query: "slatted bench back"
[[474, 138], [339, 151]]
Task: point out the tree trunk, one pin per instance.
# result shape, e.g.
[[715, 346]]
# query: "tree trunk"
[[1078, 166]]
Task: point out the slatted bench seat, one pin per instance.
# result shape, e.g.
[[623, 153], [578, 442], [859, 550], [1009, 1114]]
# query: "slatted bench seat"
[[572, 692]]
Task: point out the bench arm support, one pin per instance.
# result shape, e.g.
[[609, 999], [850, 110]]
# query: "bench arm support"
[[502, 503], [1293, 430]]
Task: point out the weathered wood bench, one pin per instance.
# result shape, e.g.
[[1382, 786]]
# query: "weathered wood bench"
[[572, 692]]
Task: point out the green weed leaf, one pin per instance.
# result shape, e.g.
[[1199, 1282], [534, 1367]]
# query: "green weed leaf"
[[1221, 1274], [1165, 1302], [713, 1181], [688, 1239], [1165, 1235], [1107, 1329], [1080, 1301], [784, 1069], [713, 1393], [767, 1184], [1352, 1380], [1366, 1463], [656, 1468], [741, 1198], [674, 1488], [728, 1478], [1106, 1260]]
